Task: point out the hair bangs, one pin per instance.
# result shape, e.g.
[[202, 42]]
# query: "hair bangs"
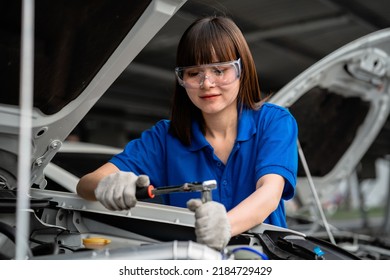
[[203, 38]]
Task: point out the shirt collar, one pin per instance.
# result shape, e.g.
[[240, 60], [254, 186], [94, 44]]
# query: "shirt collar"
[[198, 141], [246, 129], [246, 125]]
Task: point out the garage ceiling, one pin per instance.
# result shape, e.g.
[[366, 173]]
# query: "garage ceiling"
[[285, 36]]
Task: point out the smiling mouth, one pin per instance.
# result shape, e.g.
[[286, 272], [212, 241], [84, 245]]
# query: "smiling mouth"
[[209, 96]]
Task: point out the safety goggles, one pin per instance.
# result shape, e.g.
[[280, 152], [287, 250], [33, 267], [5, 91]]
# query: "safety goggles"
[[218, 74]]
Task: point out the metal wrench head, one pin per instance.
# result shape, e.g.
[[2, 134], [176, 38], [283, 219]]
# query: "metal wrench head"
[[197, 186], [208, 186], [205, 188]]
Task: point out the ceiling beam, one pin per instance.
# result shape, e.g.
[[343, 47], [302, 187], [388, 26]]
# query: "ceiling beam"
[[360, 13], [298, 28]]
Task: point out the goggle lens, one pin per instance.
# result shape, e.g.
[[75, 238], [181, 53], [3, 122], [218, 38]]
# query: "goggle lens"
[[219, 74]]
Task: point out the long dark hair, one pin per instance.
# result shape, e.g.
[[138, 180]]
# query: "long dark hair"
[[204, 39]]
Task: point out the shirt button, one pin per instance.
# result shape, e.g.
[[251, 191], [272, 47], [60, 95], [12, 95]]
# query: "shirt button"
[[224, 182], [219, 163]]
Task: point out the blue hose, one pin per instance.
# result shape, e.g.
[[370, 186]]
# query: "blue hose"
[[250, 249]]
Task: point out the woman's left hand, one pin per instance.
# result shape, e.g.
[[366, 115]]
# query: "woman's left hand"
[[212, 226]]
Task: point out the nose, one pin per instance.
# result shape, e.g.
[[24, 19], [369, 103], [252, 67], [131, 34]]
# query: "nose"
[[203, 83]]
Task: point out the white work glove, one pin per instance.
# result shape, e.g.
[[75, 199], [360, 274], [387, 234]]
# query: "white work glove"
[[117, 191], [211, 223]]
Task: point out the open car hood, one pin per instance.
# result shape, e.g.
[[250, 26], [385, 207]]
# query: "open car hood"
[[341, 104], [80, 49]]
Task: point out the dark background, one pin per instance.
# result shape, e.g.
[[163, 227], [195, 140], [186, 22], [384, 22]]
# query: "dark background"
[[285, 36]]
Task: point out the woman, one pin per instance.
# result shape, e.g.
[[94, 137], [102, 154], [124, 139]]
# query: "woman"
[[219, 130]]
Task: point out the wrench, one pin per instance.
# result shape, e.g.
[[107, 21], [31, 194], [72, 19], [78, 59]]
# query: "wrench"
[[205, 187]]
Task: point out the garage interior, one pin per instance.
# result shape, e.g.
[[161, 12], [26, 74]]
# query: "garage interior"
[[286, 37]]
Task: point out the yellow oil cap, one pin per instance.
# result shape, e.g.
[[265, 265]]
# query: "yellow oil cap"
[[95, 242]]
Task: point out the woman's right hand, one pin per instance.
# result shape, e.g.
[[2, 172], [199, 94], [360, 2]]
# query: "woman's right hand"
[[116, 191]]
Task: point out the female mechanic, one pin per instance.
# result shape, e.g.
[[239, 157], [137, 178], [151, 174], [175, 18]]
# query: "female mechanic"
[[219, 129]]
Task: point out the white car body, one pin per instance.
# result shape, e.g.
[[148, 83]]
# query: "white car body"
[[63, 177]]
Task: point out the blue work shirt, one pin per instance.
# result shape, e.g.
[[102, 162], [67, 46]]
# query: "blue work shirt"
[[266, 143]]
